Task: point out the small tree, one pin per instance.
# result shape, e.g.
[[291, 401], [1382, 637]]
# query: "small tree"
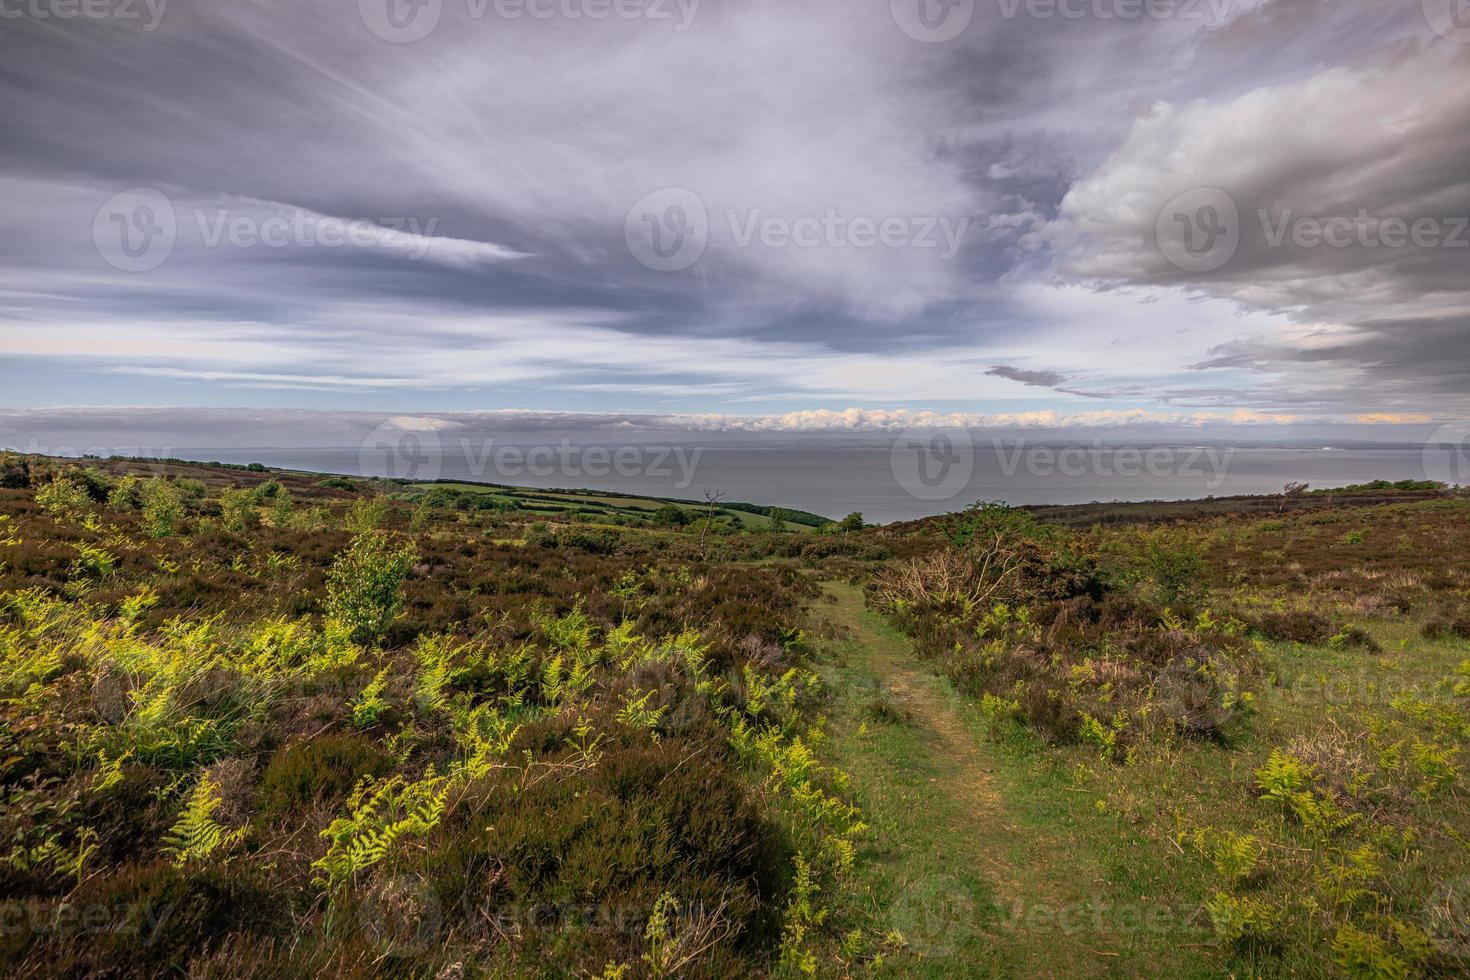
[[852, 522], [237, 509], [778, 519], [712, 500], [1290, 493], [63, 495], [163, 507], [365, 584]]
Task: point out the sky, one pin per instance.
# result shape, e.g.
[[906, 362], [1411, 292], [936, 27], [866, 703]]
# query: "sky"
[[760, 214]]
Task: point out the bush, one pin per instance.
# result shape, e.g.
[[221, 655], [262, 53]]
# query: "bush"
[[1175, 564], [319, 770], [1296, 626], [364, 586], [670, 515], [63, 495], [163, 507], [237, 509]]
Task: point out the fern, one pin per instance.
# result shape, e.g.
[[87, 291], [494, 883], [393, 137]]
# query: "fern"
[[379, 816], [197, 834], [636, 713], [369, 704]]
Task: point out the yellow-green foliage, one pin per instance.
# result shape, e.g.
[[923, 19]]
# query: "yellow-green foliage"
[[164, 507], [237, 509], [365, 582], [1242, 919], [62, 496], [380, 815], [196, 835]]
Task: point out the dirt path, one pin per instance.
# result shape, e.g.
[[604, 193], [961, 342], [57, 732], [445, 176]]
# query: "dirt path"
[[978, 885]]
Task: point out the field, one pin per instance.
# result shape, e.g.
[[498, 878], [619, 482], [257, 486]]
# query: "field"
[[270, 724]]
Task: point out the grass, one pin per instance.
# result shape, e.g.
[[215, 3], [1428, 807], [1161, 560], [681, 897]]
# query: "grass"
[[984, 856], [304, 727], [562, 502]]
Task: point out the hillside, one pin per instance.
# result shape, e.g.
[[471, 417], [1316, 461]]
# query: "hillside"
[[268, 724]]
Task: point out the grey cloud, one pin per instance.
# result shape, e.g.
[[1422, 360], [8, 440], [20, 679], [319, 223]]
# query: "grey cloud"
[[1044, 379]]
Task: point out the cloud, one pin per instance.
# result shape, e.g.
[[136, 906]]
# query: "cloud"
[[491, 168], [1353, 150], [1043, 379]]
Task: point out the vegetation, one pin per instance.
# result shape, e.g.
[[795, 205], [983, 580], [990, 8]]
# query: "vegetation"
[[258, 723]]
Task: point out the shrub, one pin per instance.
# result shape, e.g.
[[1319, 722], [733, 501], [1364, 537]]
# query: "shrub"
[[670, 515], [364, 586], [163, 507], [62, 496], [1175, 564], [366, 515], [237, 509], [1296, 626], [320, 770], [125, 494], [266, 491]]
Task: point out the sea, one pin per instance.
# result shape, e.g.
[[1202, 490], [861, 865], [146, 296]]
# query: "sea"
[[884, 482]]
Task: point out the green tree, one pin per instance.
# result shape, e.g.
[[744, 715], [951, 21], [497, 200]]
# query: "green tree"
[[237, 509], [163, 507], [365, 584], [63, 495]]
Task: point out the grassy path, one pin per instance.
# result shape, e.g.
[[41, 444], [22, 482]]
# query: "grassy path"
[[983, 859]]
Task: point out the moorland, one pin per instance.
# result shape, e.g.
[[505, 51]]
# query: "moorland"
[[259, 723]]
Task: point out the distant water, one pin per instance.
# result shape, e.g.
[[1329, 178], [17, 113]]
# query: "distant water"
[[882, 482]]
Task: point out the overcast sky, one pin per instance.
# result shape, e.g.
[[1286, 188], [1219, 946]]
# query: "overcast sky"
[[818, 211]]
